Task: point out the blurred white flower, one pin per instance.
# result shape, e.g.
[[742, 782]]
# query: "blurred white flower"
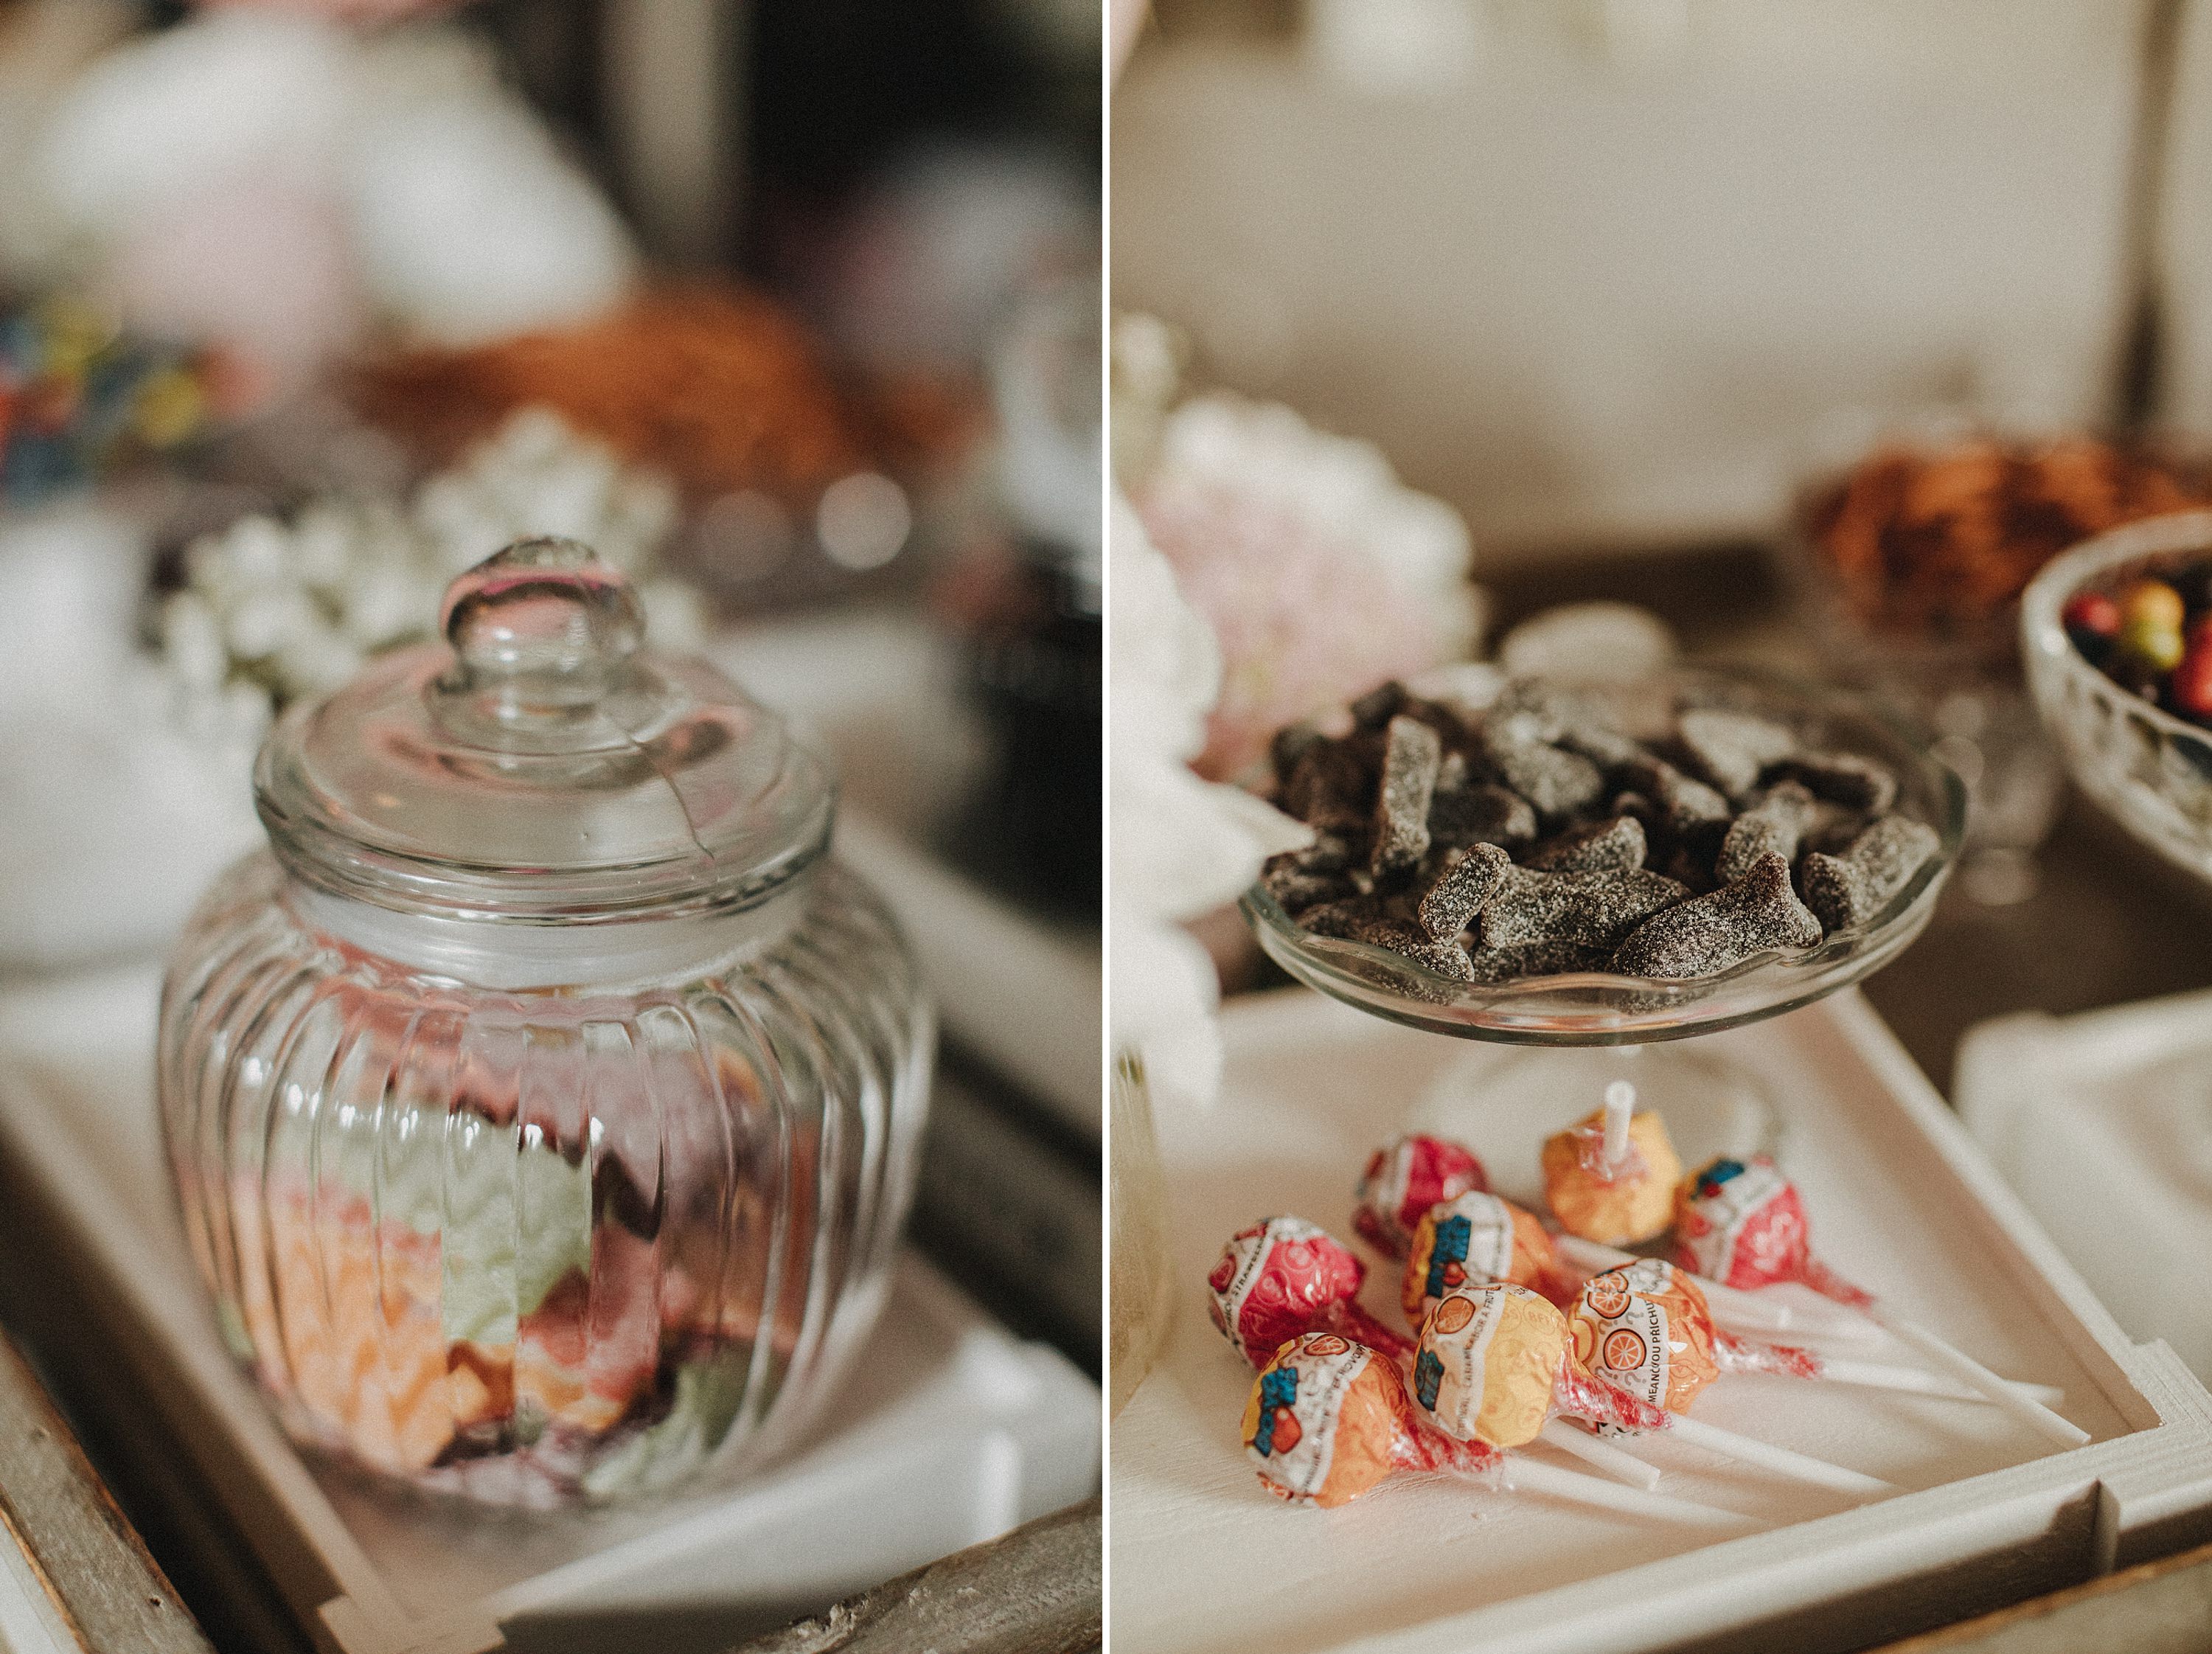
[[269, 182], [1180, 846], [272, 612], [1321, 574]]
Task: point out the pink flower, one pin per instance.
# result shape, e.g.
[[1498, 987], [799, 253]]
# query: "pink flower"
[[1319, 573]]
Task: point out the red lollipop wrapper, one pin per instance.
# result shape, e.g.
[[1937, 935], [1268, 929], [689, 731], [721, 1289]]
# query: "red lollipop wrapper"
[[1735, 1354], [1742, 1224], [1610, 1407], [1404, 1178], [1284, 1277]]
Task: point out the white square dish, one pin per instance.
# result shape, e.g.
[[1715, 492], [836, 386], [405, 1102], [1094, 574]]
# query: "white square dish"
[[2102, 1124]]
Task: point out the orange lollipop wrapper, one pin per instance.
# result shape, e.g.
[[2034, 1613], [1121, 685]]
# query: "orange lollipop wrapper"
[[1471, 1241], [1488, 1359], [1644, 1328], [1330, 1419], [1620, 1205]]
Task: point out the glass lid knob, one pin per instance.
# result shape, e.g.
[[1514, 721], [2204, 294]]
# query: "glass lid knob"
[[544, 636], [544, 617]]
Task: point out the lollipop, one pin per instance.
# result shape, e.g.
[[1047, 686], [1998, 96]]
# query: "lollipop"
[[1744, 1225], [1404, 1178], [1328, 1419], [1472, 1239], [1735, 1312], [1283, 1276], [1612, 1178], [1489, 1358], [1645, 1329]]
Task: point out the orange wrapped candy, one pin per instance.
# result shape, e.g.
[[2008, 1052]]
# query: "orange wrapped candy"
[[1471, 1240], [1644, 1328], [1489, 1357], [1620, 1205], [1328, 1419]]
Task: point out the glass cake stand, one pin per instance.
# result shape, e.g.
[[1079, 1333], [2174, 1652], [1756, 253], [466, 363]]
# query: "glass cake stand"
[[1597, 1027]]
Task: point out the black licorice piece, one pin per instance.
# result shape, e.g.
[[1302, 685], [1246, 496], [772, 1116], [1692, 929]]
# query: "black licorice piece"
[[1556, 783], [1458, 893], [1493, 965], [1480, 813], [1689, 812], [1293, 881], [1411, 754], [1850, 891], [1531, 709], [1731, 749], [1378, 706], [1710, 933], [1614, 846], [1776, 826], [1691, 807], [1332, 785], [1591, 910], [1843, 778], [1636, 804], [1329, 852], [1603, 745], [1378, 924]]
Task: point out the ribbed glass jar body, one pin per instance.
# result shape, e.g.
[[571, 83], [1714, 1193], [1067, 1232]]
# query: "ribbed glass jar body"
[[552, 1246]]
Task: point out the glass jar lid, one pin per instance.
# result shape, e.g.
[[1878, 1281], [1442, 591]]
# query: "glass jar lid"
[[540, 766]]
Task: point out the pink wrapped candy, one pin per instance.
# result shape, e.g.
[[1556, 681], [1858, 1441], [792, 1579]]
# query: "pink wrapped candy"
[[1740, 1223], [1285, 1277], [1404, 1178]]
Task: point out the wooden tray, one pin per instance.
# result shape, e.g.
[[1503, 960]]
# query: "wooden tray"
[[948, 1431], [1202, 1562]]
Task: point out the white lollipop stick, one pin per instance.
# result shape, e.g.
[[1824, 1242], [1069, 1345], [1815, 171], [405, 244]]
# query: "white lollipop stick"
[[1918, 1380], [1780, 1460], [1605, 1460], [1978, 1378], [1732, 1307], [1619, 1106], [1535, 1476]]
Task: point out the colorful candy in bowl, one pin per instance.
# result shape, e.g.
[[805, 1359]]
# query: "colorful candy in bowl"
[[2118, 652], [542, 1103]]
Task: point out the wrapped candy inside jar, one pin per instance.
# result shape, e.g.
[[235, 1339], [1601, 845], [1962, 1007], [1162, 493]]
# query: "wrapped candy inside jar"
[[543, 1104]]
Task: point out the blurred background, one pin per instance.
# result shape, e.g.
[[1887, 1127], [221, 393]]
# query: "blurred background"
[[788, 307], [1807, 331]]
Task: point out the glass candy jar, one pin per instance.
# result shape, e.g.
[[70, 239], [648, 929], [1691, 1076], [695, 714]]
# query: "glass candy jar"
[[544, 1103]]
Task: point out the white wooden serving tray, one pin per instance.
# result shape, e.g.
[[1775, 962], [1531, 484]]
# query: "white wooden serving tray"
[[2102, 1124], [947, 1432], [1203, 1562]]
